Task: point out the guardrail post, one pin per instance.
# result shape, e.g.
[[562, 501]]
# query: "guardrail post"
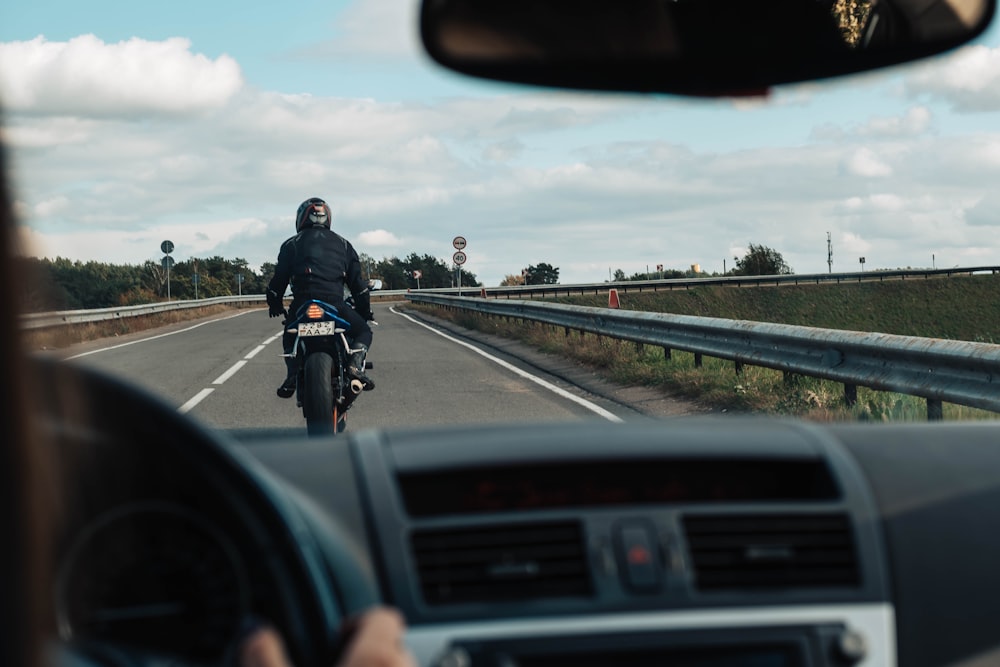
[[567, 332], [739, 367], [697, 359], [666, 353], [639, 347], [851, 395], [935, 411]]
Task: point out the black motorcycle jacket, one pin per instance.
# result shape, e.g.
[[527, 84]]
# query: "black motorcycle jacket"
[[319, 263]]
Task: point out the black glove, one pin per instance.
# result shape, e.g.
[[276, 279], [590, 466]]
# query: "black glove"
[[275, 304]]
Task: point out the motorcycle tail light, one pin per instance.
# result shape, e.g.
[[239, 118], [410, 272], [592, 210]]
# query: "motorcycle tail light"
[[314, 312]]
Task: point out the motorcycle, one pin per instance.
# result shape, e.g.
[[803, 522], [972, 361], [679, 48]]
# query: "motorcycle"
[[322, 349]]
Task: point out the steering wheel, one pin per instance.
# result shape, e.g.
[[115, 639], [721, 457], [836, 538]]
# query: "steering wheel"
[[125, 592]]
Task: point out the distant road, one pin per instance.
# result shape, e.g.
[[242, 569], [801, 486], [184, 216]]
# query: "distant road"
[[224, 373]]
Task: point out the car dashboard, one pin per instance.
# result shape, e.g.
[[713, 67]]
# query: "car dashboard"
[[697, 542]]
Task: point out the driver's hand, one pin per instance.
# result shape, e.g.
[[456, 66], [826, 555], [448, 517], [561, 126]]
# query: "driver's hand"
[[377, 641]]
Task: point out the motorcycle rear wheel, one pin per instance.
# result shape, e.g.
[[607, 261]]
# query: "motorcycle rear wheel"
[[318, 402]]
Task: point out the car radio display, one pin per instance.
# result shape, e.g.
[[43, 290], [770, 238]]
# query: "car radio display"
[[602, 483]]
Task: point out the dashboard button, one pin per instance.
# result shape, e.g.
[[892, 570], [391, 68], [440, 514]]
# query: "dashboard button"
[[638, 557]]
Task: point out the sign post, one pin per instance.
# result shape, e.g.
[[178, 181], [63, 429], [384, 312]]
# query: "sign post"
[[167, 247], [418, 274], [459, 258]]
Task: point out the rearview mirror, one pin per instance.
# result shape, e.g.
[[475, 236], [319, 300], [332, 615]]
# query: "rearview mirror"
[[698, 47]]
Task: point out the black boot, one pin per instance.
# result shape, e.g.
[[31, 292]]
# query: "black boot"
[[287, 388], [356, 367]]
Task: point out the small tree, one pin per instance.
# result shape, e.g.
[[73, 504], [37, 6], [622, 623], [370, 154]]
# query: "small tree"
[[762, 261], [511, 280], [541, 274]]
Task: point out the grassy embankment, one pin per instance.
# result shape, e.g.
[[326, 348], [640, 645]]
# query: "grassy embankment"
[[960, 308], [53, 338]]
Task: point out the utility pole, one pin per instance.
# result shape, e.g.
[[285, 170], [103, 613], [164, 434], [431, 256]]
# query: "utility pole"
[[829, 253]]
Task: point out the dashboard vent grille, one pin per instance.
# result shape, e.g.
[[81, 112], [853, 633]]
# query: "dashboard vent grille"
[[502, 563], [738, 552]]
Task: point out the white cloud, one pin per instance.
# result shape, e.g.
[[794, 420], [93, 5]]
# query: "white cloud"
[[85, 76], [379, 28], [57, 206], [53, 132], [969, 80], [914, 122], [504, 151], [526, 177], [864, 162], [378, 238], [137, 245], [854, 243]]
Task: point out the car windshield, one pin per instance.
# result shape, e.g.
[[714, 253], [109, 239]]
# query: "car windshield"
[[160, 153]]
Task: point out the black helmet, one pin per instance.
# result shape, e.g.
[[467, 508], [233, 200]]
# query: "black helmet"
[[312, 212]]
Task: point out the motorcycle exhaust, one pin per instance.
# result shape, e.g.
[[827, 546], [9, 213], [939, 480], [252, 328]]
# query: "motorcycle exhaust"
[[357, 386]]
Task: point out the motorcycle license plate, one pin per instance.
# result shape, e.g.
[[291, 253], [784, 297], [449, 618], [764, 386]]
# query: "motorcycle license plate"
[[316, 329]]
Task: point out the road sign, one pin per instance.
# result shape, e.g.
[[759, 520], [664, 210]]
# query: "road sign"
[[167, 247], [459, 258], [167, 262], [418, 274], [459, 243], [194, 277]]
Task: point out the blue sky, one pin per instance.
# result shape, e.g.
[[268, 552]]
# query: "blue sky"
[[208, 122]]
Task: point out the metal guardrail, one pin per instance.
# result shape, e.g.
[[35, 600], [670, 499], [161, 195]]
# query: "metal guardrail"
[[67, 317], [64, 317], [626, 286], [938, 370]]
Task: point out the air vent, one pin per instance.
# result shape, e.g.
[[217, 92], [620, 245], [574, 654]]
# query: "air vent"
[[502, 563], [738, 552]]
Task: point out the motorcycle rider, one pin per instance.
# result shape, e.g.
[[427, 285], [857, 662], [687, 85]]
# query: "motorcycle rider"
[[318, 263]]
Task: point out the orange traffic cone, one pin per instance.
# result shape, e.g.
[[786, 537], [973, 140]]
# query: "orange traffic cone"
[[613, 299]]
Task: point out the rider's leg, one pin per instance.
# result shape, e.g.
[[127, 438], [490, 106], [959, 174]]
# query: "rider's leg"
[[361, 340], [287, 388]]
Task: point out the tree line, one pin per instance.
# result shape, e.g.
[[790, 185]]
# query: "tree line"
[[65, 284], [759, 260], [415, 271]]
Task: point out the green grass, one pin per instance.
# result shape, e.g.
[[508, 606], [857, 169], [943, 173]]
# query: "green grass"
[[959, 308], [964, 308]]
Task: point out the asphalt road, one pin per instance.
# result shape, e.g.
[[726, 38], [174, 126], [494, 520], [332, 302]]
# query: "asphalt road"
[[224, 371]]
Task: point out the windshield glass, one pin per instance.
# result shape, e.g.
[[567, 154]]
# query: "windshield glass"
[[160, 155]]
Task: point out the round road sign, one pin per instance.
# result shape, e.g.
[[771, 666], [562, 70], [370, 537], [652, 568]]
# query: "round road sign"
[[167, 262], [459, 258], [459, 243], [167, 247]]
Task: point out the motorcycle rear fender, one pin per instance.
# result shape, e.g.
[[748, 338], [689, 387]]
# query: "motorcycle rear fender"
[[330, 312]]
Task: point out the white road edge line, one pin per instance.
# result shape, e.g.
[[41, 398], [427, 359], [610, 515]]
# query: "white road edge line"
[[514, 369], [143, 340], [231, 372], [198, 398]]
